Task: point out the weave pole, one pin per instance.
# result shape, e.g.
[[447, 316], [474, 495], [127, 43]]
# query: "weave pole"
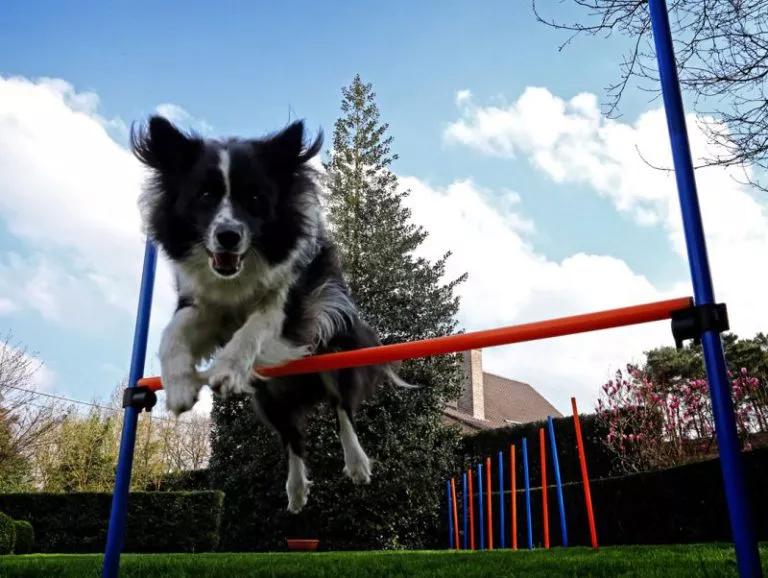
[[471, 510], [455, 514], [558, 481], [527, 494], [544, 505], [465, 536], [612, 318], [584, 475], [513, 488], [502, 534], [450, 515], [489, 501], [481, 525]]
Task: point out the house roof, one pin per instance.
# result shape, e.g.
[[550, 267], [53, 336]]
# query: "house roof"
[[506, 401], [509, 400]]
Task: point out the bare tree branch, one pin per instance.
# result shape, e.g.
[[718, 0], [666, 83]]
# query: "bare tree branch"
[[722, 55]]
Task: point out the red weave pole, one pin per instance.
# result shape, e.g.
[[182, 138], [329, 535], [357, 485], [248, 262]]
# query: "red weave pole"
[[611, 318], [488, 502], [584, 475], [514, 495], [471, 511], [455, 514], [544, 508]]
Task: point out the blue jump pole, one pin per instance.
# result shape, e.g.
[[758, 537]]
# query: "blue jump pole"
[[451, 545], [558, 481], [734, 482], [502, 535], [527, 494], [482, 510], [465, 510], [116, 531]]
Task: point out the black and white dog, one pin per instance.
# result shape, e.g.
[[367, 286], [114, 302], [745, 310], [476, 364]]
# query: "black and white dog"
[[258, 280]]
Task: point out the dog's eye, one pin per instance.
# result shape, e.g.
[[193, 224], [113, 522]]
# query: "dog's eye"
[[206, 196]]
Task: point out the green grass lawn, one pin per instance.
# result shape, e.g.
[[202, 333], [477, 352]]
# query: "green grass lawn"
[[687, 561]]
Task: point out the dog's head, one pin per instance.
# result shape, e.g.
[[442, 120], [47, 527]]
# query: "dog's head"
[[226, 197]]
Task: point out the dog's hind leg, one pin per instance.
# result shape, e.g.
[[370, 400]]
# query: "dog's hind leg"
[[284, 419], [347, 393]]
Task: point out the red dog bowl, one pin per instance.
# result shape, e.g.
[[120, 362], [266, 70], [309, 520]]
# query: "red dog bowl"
[[299, 545]]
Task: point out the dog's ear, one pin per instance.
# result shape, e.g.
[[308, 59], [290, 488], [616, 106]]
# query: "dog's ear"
[[284, 152], [163, 147]]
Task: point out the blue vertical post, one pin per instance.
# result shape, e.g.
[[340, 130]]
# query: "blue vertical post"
[[451, 545], [481, 519], [527, 494], [734, 482], [117, 516], [465, 505], [502, 534], [558, 481]]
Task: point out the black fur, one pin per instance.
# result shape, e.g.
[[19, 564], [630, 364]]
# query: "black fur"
[[284, 268]]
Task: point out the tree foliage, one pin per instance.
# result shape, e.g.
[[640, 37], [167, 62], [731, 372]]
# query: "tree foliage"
[[660, 414], [403, 296], [722, 54]]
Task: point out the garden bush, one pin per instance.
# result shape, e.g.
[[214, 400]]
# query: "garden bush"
[[25, 537], [156, 522], [7, 534]]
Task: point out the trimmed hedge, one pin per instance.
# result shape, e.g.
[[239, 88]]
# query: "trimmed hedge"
[[25, 537], [183, 481], [156, 522], [7, 534], [680, 505]]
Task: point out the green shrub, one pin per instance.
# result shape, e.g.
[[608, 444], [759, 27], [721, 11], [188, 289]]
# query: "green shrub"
[[156, 522], [7, 534], [25, 537]]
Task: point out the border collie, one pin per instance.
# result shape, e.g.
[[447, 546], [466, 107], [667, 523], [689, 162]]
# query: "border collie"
[[258, 280]]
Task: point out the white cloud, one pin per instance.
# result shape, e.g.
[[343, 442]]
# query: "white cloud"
[[69, 191], [572, 144], [510, 283], [181, 117]]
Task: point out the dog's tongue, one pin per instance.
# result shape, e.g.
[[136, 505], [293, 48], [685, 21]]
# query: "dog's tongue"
[[226, 261]]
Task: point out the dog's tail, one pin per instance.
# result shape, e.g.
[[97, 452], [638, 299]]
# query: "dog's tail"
[[391, 373]]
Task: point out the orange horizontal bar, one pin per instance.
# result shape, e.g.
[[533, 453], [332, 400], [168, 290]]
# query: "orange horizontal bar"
[[609, 319]]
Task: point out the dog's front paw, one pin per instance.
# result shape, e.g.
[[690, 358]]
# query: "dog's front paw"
[[230, 376], [181, 391]]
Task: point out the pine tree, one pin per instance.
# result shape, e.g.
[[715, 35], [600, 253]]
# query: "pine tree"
[[404, 298]]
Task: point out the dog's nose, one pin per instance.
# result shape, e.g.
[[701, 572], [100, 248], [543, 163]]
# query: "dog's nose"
[[228, 236]]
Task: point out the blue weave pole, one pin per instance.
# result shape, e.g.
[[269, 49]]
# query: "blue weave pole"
[[734, 482], [465, 509], [482, 510], [558, 481], [116, 530], [527, 494], [451, 545], [502, 535]]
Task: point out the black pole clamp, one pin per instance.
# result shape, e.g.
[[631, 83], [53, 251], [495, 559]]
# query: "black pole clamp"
[[139, 397], [693, 321]]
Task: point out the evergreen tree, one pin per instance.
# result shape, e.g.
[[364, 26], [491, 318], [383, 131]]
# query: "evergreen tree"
[[404, 298]]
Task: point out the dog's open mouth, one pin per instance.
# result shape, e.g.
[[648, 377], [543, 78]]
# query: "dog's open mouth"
[[226, 264]]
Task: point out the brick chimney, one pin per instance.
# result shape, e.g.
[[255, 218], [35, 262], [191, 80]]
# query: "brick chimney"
[[472, 399]]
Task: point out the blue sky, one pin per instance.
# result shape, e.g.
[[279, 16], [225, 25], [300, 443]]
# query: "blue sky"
[[247, 67]]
